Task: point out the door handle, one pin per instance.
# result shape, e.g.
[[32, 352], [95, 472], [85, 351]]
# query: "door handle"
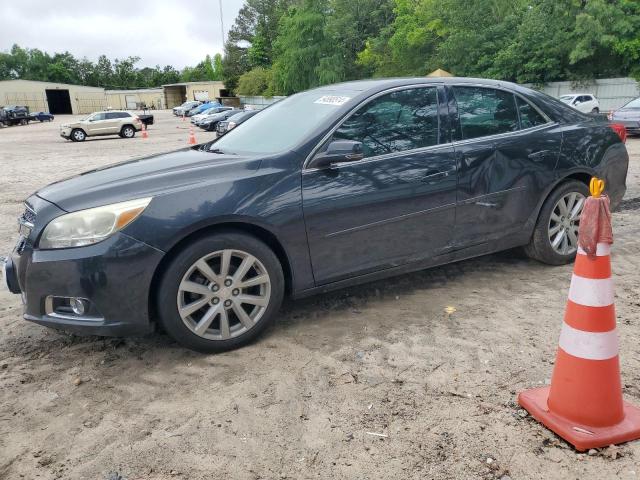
[[539, 156], [432, 175]]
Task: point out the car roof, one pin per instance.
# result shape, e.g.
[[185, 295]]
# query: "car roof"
[[373, 85], [576, 94]]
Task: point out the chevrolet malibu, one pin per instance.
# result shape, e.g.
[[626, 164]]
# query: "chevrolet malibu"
[[328, 188]]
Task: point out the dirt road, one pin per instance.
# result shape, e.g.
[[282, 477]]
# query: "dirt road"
[[373, 382]]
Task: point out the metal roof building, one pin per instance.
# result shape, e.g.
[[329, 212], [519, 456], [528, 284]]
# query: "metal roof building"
[[57, 98]]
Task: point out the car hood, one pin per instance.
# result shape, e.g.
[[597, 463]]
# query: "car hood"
[[145, 177], [630, 113]]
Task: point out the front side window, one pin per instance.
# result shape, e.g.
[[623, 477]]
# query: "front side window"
[[529, 116], [97, 116], [395, 122], [485, 111]]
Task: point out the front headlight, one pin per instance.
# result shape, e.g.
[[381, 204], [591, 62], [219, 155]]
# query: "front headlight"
[[86, 227]]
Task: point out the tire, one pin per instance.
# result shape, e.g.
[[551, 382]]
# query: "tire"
[[24, 121], [41, 120], [78, 135], [595, 110], [218, 298], [540, 247], [127, 131]]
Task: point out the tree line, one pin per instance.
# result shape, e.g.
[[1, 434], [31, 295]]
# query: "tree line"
[[34, 64], [285, 46]]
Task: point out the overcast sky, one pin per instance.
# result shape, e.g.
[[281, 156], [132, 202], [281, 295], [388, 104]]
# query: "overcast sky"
[[165, 32]]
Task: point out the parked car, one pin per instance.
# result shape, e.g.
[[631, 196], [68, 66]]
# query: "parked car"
[[146, 118], [629, 116], [211, 122], [41, 116], [195, 119], [111, 122], [182, 109], [235, 120], [583, 102], [200, 108], [393, 176], [14, 115]]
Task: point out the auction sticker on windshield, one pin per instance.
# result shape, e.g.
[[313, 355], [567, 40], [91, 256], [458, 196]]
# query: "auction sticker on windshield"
[[332, 100]]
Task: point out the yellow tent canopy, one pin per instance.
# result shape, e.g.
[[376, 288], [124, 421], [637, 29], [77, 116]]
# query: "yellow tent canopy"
[[439, 73]]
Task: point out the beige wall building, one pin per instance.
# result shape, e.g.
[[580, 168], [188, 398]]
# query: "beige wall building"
[[177, 93], [136, 99], [61, 98], [57, 98]]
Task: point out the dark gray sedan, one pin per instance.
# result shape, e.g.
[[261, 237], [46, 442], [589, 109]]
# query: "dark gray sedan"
[[629, 116], [328, 188]]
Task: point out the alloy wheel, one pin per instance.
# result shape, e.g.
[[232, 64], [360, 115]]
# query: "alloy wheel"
[[565, 222], [224, 294]]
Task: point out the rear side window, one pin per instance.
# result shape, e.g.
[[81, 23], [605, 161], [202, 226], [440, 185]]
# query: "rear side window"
[[529, 116], [395, 122], [485, 111]]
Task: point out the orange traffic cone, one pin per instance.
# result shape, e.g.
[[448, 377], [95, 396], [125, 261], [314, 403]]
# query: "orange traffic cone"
[[584, 403], [145, 134], [192, 137]]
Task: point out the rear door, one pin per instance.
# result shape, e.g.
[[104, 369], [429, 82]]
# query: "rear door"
[[113, 122], [506, 152], [396, 205]]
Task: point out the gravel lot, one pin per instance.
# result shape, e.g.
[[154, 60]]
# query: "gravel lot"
[[383, 358]]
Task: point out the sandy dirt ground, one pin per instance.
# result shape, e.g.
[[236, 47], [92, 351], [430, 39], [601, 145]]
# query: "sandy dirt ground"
[[374, 382]]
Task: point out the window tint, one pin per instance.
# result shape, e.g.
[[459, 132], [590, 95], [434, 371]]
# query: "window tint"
[[529, 116], [395, 122], [485, 111]]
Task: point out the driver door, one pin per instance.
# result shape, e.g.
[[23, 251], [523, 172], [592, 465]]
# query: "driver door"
[[95, 124], [394, 206]]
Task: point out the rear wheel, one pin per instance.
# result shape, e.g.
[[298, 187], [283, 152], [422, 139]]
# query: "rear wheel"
[[555, 237], [128, 132], [78, 135], [220, 292]]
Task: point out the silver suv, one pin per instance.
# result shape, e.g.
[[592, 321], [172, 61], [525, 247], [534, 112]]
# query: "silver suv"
[[112, 122]]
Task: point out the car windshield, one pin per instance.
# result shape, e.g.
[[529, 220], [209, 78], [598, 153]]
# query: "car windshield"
[[632, 105], [283, 125], [566, 98]]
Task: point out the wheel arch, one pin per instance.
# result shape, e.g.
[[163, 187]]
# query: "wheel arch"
[[261, 233], [581, 175]]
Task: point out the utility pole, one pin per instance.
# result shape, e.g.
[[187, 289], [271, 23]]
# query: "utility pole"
[[221, 23]]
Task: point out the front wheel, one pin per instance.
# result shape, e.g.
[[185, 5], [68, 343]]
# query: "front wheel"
[[555, 237], [220, 292], [595, 110], [78, 135]]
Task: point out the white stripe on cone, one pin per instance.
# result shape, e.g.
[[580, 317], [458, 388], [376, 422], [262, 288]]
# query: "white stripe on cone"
[[602, 250], [591, 292], [588, 345]]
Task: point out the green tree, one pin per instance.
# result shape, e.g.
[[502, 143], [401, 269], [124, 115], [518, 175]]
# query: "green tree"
[[300, 46], [255, 82]]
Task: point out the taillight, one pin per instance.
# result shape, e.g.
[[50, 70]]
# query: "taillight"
[[620, 130]]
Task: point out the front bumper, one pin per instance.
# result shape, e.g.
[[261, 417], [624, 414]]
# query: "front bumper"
[[114, 276], [65, 133]]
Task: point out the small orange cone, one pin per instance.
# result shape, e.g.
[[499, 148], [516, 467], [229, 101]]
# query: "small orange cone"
[[145, 134], [584, 403], [192, 137]]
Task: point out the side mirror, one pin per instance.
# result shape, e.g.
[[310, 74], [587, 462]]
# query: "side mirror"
[[338, 151]]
